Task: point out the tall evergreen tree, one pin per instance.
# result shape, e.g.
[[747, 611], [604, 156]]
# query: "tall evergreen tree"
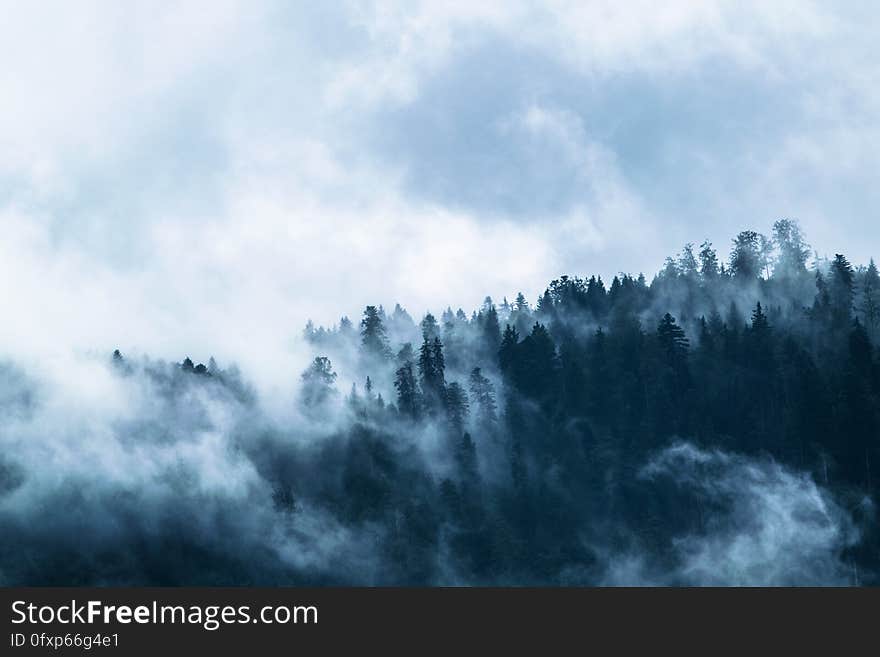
[[318, 382], [870, 301], [408, 400], [793, 249], [746, 257], [483, 394], [430, 328], [841, 291], [672, 339], [432, 375], [506, 351], [457, 407], [373, 338], [490, 328]]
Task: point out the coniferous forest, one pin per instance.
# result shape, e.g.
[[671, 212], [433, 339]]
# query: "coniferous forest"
[[718, 423]]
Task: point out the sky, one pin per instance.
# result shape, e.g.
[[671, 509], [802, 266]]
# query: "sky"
[[200, 178]]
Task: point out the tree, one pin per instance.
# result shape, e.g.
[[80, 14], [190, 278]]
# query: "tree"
[[432, 378], [430, 328], [400, 322], [668, 393], [708, 262], [870, 303], [439, 361], [687, 262], [765, 254], [506, 351], [746, 257], [490, 327], [466, 460], [119, 363], [406, 354], [821, 310], [857, 446], [544, 306], [457, 406], [793, 249], [535, 366], [408, 400], [318, 383], [759, 344], [841, 290], [670, 269], [373, 339], [483, 394], [346, 329], [600, 382], [760, 325], [672, 339]]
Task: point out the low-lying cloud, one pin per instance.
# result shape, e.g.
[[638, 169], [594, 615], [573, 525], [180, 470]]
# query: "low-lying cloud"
[[151, 475]]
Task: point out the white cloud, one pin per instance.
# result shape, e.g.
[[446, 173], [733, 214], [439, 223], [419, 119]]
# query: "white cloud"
[[192, 177]]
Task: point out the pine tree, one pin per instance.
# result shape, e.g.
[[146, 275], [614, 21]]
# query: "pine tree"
[[466, 460], [759, 342], [483, 394], [870, 302], [439, 361], [406, 354], [760, 324], [408, 401], [346, 329], [318, 382], [457, 406], [672, 339], [793, 249], [491, 329], [746, 259], [430, 328], [432, 375], [536, 367], [544, 306], [373, 338], [709, 271], [841, 291], [687, 262], [506, 351]]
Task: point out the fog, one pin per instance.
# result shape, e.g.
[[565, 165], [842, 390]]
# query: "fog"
[[125, 469], [194, 180]]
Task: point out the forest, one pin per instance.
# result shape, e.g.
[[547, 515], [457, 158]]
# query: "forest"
[[717, 424]]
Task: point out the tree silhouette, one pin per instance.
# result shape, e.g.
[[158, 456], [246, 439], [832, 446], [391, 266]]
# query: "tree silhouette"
[[318, 382], [373, 338]]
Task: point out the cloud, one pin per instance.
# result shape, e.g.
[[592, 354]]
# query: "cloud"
[[178, 178], [150, 475], [761, 525]]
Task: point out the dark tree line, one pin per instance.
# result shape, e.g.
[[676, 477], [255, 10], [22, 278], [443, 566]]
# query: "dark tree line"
[[547, 412], [510, 445]]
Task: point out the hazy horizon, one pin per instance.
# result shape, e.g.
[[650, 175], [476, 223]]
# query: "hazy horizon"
[[183, 177]]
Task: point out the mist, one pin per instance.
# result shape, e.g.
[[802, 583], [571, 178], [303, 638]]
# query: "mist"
[[437, 293], [594, 440]]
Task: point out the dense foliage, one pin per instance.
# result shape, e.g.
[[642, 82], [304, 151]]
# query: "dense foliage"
[[716, 425], [546, 415]]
